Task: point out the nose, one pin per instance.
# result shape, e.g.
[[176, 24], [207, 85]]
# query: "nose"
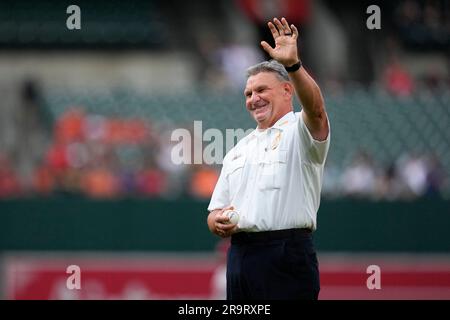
[[254, 98]]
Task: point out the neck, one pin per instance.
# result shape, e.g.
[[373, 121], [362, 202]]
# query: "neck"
[[263, 127]]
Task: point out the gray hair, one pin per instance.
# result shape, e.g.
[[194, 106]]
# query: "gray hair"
[[269, 66]]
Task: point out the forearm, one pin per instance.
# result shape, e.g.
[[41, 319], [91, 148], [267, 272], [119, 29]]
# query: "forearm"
[[312, 103], [308, 93]]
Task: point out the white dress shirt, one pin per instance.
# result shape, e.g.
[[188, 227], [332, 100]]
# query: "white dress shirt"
[[273, 177]]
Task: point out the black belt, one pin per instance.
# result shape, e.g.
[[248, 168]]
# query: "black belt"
[[263, 236]]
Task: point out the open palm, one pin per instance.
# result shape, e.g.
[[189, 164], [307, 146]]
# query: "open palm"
[[285, 36]]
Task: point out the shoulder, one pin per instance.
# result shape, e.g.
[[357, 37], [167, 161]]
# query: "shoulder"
[[291, 129], [299, 118], [303, 129]]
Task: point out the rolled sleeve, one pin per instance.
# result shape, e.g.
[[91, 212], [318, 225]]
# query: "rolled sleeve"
[[312, 150]]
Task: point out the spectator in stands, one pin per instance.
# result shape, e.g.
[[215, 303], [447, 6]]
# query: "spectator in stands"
[[436, 177], [413, 172], [234, 58], [70, 126], [360, 177], [203, 181], [151, 182], [9, 182], [388, 184], [57, 164], [422, 24], [177, 173], [43, 180], [397, 79], [100, 182], [33, 124]]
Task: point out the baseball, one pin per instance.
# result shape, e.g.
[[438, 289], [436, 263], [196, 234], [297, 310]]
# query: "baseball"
[[232, 214]]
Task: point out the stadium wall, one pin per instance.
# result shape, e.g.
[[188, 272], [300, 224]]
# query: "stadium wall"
[[72, 224]]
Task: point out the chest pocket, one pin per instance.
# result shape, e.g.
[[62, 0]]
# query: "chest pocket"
[[273, 169], [234, 174]]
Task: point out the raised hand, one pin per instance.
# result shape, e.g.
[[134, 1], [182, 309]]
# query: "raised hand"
[[285, 36]]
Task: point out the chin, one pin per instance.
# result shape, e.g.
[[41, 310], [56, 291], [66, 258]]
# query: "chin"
[[261, 117], [260, 120]]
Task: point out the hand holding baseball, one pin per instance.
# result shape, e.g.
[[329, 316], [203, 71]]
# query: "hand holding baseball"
[[224, 227]]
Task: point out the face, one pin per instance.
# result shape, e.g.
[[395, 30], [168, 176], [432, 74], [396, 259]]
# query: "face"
[[267, 98]]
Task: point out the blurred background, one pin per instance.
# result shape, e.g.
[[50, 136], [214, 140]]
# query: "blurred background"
[[86, 117]]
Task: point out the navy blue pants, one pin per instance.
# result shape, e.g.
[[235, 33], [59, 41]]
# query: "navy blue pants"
[[273, 265]]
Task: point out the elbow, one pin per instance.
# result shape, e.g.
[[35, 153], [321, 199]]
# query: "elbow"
[[322, 127], [317, 123]]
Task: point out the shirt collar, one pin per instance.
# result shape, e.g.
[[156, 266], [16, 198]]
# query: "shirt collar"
[[279, 125], [284, 120]]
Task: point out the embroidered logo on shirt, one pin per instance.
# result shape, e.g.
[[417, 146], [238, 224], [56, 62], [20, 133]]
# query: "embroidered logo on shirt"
[[276, 141]]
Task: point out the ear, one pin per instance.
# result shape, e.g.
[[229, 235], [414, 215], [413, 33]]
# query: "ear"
[[288, 89]]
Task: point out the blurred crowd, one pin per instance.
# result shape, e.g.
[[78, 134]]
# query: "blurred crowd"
[[100, 157], [425, 24], [103, 157], [411, 176], [86, 154]]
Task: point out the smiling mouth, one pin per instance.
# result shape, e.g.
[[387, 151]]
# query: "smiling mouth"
[[258, 107]]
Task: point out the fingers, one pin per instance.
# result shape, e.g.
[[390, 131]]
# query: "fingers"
[[279, 26], [295, 31], [274, 30], [219, 216], [267, 47], [223, 222], [226, 230], [223, 227], [222, 219], [286, 28]]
